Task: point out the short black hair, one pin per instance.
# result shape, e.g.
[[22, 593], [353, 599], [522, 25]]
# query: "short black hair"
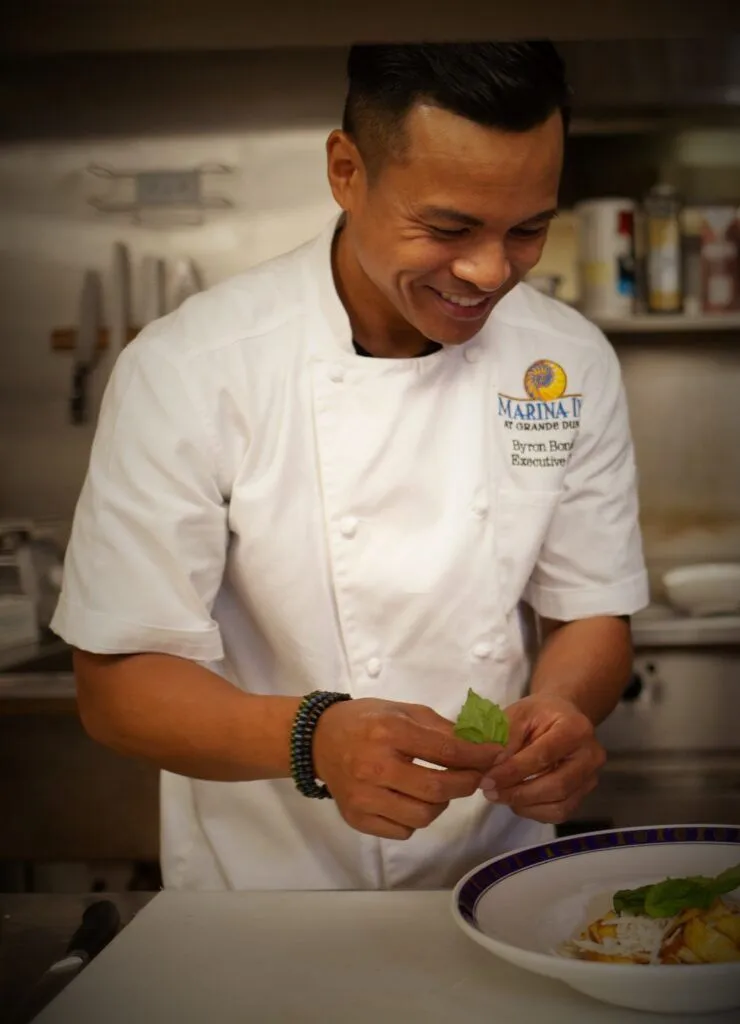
[[510, 86]]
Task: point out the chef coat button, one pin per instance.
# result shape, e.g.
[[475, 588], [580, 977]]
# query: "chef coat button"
[[336, 374], [483, 650], [348, 526], [480, 508], [472, 353], [374, 667]]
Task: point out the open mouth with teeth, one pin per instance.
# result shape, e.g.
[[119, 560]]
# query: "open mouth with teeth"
[[464, 300], [464, 307]]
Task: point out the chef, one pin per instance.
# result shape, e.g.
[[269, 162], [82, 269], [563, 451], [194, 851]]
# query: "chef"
[[330, 495]]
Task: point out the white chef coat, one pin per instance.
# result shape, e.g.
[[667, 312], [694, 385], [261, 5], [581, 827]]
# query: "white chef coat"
[[265, 501]]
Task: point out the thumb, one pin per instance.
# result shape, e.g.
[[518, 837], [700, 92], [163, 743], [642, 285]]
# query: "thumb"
[[519, 726]]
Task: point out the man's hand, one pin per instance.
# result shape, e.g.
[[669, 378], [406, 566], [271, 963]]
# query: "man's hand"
[[551, 761], [364, 751]]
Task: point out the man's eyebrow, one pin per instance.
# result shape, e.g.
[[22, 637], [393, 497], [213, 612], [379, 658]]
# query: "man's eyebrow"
[[445, 213], [458, 217], [545, 215]]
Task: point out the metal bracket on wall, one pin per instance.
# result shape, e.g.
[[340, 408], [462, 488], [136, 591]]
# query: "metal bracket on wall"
[[166, 197]]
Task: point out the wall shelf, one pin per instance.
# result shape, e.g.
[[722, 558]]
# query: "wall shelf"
[[657, 323]]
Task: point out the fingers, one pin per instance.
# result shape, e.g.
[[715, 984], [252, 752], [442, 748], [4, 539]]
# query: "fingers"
[[555, 812], [372, 825], [396, 814], [558, 743], [431, 785], [437, 744], [557, 785]]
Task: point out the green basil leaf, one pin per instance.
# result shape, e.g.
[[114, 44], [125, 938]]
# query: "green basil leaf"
[[672, 895], [631, 901], [726, 881], [482, 721]]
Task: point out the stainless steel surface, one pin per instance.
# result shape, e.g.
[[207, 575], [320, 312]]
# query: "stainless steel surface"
[[683, 700], [659, 789], [38, 671], [673, 742], [41, 686], [45, 655], [35, 929], [674, 630]]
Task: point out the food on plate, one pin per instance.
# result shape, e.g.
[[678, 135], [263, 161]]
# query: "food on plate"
[[675, 921], [482, 721]]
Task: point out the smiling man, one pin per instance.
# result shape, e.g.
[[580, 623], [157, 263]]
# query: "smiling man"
[[323, 493], [449, 178]]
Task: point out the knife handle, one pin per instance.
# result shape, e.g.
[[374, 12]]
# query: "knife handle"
[[78, 398], [100, 924]]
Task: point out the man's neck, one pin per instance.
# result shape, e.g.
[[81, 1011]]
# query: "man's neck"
[[376, 325]]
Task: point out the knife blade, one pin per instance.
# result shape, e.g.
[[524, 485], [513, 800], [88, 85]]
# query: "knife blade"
[[120, 315], [154, 279], [100, 923], [187, 281], [87, 344]]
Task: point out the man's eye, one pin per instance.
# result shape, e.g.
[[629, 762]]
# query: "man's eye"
[[528, 232], [449, 232]]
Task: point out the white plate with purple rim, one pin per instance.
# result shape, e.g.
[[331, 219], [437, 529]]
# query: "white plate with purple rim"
[[522, 906]]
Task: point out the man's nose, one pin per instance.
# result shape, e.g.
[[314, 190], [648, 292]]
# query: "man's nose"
[[488, 269]]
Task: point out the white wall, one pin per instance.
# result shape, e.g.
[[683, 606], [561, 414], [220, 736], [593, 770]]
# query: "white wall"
[[51, 235]]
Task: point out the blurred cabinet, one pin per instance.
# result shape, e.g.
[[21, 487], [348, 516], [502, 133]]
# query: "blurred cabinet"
[[66, 798], [76, 26]]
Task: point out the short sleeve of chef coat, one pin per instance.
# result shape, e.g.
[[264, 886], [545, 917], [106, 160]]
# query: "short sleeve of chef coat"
[[591, 562], [148, 543]]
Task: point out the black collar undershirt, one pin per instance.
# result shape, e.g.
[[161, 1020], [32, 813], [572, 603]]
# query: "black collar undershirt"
[[432, 346]]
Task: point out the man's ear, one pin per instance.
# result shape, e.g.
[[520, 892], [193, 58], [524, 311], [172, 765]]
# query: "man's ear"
[[345, 168]]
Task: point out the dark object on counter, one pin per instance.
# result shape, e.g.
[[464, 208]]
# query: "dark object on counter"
[[101, 922]]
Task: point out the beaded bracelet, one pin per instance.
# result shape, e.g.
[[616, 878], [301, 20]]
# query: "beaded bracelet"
[[302, 767]]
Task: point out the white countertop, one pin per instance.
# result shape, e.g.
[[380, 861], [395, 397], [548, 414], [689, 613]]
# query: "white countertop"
[[315, 958]]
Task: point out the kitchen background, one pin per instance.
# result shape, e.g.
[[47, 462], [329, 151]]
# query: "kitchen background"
[[648, 113]]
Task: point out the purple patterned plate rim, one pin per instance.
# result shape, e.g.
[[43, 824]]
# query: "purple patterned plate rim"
[[475, 885]]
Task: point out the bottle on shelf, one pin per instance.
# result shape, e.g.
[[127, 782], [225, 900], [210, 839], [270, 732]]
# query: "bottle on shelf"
[[691, 226], [663, 250]]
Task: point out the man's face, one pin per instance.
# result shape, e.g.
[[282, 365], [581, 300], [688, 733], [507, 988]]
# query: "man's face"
[[438, 237]]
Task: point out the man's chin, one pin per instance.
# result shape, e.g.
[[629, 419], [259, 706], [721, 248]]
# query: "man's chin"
[[452, 333]]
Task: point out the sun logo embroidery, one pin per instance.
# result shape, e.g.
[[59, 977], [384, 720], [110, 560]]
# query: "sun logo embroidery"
[[545, 381], [548, 409]]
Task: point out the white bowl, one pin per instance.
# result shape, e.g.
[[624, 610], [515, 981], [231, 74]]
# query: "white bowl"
[[521, 906], [710, 589]]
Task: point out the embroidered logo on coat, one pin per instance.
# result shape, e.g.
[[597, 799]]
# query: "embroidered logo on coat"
[[548, 408], [545, 380]]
